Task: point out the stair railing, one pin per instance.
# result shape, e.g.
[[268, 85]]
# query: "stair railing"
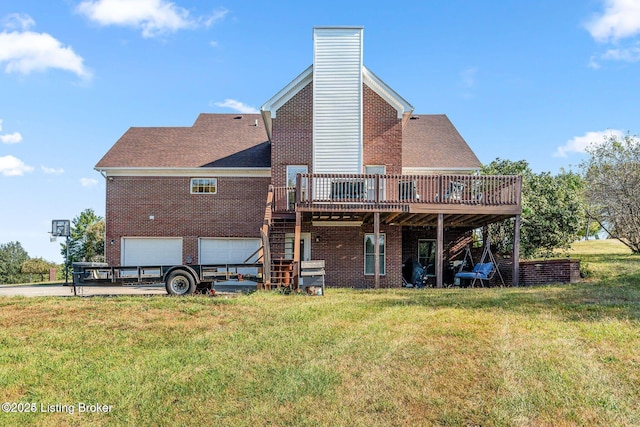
[[264, 238]]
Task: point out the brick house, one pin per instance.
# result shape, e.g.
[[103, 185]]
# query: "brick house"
[[336, 161]]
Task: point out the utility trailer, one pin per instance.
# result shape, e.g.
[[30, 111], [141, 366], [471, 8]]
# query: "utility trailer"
[[178, 279]]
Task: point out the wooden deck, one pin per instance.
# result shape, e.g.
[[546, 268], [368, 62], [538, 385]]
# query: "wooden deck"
[[464, 200], [406, 200]]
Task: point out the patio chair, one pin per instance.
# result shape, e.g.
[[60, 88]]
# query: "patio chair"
[[476, 191], [408, 191], [453, 192]]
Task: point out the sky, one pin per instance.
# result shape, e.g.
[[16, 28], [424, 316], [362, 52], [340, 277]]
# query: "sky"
[[533, 80]]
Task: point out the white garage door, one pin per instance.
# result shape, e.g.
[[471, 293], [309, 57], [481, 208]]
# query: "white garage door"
[[228, 251], [151, 251]]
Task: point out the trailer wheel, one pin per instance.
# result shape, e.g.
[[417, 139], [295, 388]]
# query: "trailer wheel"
[[180, 282]]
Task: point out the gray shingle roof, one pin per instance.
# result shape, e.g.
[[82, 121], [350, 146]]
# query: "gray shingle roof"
[[214, 140], [233, 140], [431, 141]]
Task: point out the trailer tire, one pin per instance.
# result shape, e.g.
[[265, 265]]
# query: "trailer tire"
[[180, 282]]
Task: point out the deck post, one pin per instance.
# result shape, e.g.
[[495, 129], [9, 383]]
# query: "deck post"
[[296, 249], [439, 250], [515, 280], [376, 249]]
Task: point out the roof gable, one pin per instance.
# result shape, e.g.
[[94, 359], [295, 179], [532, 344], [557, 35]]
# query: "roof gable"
[[270, 108]]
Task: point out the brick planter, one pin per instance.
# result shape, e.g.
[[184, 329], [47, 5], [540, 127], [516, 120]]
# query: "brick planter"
[[549, 271]]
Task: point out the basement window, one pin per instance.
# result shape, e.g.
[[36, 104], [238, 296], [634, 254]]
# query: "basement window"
[[369, 254], [204, 185]]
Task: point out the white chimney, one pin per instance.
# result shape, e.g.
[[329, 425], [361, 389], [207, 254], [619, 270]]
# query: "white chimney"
[[337, 99]]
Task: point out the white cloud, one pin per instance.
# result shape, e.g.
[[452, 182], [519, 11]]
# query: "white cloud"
[[10, 138], [237, 106], [216, 16], [12, 166], [631, 54], [52, 171], [153, 17], [468, 77], [578, 144], [18, 21], [213, 43], [88, 182], [620, 19], [26, 51]]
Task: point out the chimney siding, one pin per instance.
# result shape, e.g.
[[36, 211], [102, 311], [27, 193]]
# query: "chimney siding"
[[337, 100]]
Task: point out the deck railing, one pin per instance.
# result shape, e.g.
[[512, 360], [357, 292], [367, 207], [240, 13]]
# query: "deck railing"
[[372, 191]]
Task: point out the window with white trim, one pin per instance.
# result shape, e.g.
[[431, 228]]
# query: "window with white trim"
[[204, 185], [369, 254], [292, 173], [371, 183]]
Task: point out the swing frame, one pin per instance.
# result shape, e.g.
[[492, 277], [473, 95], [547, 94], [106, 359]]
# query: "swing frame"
[[477, 273]]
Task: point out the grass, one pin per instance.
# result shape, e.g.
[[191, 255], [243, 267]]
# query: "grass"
[[554, 355], [606, 258]]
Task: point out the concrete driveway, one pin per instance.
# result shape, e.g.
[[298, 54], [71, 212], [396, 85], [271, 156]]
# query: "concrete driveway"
[[105, 290], [67, 291]]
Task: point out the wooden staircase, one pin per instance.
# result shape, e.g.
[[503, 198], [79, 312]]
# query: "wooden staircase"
[[282, 271], [276, 249]]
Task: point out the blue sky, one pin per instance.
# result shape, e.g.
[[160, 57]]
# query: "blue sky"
[[534, 80]]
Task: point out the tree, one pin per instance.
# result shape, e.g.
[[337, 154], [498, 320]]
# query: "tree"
[[37, 266], [12, 255], [555, 213], [86, 242], [501, 233], [612, 175], [552, 210]]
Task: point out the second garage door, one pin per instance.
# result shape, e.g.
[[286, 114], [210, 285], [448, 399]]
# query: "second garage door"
[[227, 251]]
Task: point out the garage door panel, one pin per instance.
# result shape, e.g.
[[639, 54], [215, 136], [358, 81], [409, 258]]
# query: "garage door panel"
[[151, 251], [229, 251]]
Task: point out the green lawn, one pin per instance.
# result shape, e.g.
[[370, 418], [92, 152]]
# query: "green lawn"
[[555, 355]]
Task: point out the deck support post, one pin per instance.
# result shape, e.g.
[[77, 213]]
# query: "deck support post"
[[515, 280], [376, 249], [439, 250], [296, 250]]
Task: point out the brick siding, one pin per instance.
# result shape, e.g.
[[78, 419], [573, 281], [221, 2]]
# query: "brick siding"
[[292, 136], [342, 248], [236, 210], [382, 133]]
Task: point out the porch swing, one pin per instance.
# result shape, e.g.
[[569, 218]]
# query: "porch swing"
[[482, 271]]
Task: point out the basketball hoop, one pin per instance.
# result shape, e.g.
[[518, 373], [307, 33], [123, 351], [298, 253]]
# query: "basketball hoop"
[[62, 228]]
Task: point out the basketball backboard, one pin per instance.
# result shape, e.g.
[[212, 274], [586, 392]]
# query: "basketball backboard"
[[60, 228]]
